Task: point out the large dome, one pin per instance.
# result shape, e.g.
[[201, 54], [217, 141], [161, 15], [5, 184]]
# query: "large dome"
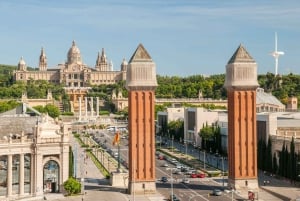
[[74, 54]]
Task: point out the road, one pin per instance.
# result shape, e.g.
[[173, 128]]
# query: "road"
[[196, 189]]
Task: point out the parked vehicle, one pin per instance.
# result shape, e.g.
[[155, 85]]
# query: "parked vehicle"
[[173, 198], [161, 157], [217, 192], [164, 179], [186, 181]]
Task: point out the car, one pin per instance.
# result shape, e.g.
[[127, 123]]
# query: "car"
[[165, 165], [201, 175], [193, 175], [161, 157], [164, 179], [177, 172], [217, 192], [186, 181], [178, 166], [173, 198]]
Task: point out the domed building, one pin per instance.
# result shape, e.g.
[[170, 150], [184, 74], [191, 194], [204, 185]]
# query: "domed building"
[[76, 76]]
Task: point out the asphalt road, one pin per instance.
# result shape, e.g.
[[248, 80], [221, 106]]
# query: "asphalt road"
[[196, 189]]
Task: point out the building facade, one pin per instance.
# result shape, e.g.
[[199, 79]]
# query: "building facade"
[[34, 155], [76, 76], [73, 73]]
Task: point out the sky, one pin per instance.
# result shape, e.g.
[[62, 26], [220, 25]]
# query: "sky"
[[183, 37]]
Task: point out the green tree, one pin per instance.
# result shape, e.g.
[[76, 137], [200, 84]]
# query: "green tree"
[[268, 156], [207, 135], [52, 110], [72, 186], [176, 129], [8, 105], [275, 165]]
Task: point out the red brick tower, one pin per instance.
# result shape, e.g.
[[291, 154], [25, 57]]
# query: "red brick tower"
[[141, 84], [241, 83]]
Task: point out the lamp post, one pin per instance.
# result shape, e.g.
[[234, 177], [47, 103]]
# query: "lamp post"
[[160, 142], [185, 148], [108, 163], [223, 169], [119, 157], [204, 159], [172, 143], [172, 189]]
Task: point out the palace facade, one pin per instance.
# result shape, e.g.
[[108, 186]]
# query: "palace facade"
[[73, 73], [76, 76]]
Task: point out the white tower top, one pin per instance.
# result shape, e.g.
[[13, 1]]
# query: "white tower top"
[[276, 55]]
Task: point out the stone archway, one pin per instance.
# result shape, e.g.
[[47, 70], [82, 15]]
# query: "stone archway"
[[51, 171]]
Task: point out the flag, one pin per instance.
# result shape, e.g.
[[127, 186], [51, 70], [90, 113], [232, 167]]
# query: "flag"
[[116, 140]]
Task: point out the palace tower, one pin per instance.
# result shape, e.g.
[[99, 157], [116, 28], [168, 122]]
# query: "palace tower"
[[241, 83], [141, 84]]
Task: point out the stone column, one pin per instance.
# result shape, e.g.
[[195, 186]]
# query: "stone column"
[[9, 175], [32, 173], [21, 174], [97, 108], [39, 168], [79, 108], [92, 107], [86, 105]]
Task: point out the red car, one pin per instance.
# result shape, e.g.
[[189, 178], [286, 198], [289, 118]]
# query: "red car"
[[161, 157], [200, 175]]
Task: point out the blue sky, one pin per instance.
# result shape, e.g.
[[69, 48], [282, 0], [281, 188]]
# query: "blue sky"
[[183, 37]]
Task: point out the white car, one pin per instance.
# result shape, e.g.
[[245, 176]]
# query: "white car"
[[186, 181]]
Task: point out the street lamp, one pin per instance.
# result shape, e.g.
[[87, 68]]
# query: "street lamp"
[[172, 191], [172, 143], [204, 159], [223, 169], [160, 142]]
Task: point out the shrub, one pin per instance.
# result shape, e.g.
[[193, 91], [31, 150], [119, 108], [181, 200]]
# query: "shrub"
[[72, 186]]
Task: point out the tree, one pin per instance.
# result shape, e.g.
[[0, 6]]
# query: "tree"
[[268, 156], [72, 186], [52, 110], [8, 105], [176, 129], [275, 165], [207, 135]]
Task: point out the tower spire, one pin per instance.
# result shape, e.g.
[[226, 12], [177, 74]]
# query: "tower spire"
[[43, 61]]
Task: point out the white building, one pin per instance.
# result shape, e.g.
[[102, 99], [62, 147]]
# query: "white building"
[[34, 155], [194, 120]]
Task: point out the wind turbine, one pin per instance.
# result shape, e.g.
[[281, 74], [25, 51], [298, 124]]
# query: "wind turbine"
[[276, 55]]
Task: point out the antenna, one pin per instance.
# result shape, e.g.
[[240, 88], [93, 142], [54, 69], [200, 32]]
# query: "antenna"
[[276, 55]]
